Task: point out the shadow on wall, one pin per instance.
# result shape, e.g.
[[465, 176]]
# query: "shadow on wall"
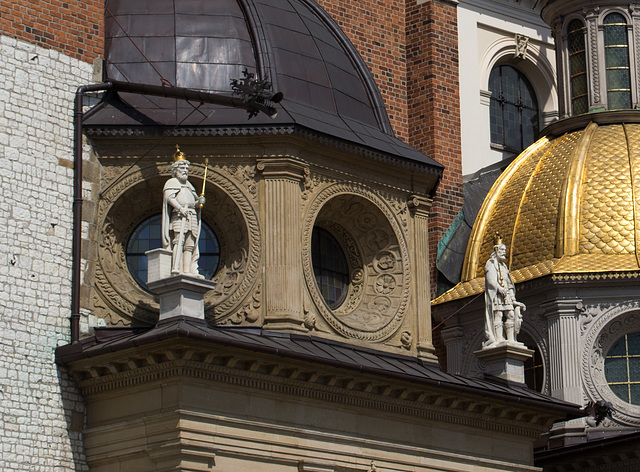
[[75, 417]]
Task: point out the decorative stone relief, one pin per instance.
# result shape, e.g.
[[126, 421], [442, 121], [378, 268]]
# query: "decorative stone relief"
[[591, 15], [603, 332], [522, 42], [229, 211], [375, 246]]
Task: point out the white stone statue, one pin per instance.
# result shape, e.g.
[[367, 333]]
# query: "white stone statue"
[[503, 313], [181, 209]]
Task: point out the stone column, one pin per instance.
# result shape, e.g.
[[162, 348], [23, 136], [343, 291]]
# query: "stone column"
[[564, 349], [283, 242], [421, 305]]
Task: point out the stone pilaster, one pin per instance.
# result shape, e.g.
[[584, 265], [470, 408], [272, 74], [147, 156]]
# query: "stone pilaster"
[[593, 58], [421, 306], [635, 17], [283, 242], [453, 338], [564, 360]]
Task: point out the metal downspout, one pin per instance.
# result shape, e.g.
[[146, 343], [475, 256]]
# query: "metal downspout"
[[76, 238]]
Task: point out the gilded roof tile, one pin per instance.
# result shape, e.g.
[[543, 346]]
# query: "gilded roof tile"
[[567, 204]]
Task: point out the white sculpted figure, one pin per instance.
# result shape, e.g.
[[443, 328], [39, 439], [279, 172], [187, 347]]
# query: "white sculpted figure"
[[503, 314], [181, 223]]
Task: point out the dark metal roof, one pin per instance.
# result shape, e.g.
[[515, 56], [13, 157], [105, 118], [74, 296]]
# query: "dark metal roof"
[[200, 45], [312, 349]]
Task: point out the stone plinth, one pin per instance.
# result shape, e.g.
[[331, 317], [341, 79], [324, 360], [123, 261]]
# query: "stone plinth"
[[505, 361], [158, 264], [181, 295]]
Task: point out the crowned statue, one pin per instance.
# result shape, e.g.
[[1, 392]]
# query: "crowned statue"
[[503, 313], [181, 218]]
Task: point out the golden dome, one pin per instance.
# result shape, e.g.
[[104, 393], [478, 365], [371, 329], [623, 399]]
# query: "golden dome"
[[566, 205]]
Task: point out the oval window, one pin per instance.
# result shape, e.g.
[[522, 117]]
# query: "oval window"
[[148, 235]]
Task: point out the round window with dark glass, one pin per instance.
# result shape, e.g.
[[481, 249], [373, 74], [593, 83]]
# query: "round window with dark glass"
[[330, 267], [148, 236], [622, 368]]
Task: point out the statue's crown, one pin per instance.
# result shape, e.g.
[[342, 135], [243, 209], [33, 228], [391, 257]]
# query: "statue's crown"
[[497, 239], [178, 155]]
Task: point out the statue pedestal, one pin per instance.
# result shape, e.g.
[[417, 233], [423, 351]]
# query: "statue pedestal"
[[180, 295], [505, 361]]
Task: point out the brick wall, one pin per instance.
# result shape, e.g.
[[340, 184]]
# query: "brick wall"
[[73, 27], [412, 51], [377, 30], [434, 106]]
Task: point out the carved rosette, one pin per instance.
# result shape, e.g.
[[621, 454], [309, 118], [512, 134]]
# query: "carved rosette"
[[601, 334], [375, 246], [229, 211]]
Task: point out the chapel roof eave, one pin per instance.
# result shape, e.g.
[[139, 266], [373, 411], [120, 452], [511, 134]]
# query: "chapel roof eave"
[[109, 342]]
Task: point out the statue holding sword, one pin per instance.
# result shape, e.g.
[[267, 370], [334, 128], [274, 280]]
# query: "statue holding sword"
[[181, 217]]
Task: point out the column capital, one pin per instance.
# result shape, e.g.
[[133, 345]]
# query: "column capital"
[[420, 205], [283, 167], [562, 308]]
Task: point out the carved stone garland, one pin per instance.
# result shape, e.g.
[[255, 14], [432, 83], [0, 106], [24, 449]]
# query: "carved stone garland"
[[601, 335], [379, 289], [119, 299]]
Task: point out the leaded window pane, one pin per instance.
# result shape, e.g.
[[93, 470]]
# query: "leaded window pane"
[[578, 67], [620, 391], [513, 109], [616, 53], [148, 235], [616, 370], [633, 342], [330, 267], [619, 100], [622, 368]]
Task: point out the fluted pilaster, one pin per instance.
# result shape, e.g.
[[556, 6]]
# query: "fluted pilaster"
[[283, 243], [564, 349], [421, 306]]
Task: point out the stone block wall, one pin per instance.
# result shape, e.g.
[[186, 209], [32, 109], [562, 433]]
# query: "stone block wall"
[[46, 51]]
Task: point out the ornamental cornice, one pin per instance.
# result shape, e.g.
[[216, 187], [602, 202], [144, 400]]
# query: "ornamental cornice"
[[162, 361]]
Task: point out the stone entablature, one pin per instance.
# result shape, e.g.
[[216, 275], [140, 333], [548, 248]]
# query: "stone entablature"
[[193, 397]]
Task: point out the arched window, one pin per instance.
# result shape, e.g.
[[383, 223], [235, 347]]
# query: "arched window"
[[330, 267], [513, 109], [577, 67], [616, 57], [622, 368], [148, 235]]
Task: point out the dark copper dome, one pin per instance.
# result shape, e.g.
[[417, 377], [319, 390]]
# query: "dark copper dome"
[[203, 45]]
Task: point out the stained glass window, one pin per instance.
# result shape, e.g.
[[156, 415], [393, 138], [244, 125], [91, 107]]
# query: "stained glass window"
[[622, 368], [330, 267], [148, 235], [616, 56], [577, 67], [513, 109]]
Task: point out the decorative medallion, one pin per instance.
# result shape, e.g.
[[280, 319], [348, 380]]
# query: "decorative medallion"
[[375, 246]]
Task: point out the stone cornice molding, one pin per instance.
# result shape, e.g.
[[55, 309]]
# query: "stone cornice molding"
[[245, 369], [283, 168]]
